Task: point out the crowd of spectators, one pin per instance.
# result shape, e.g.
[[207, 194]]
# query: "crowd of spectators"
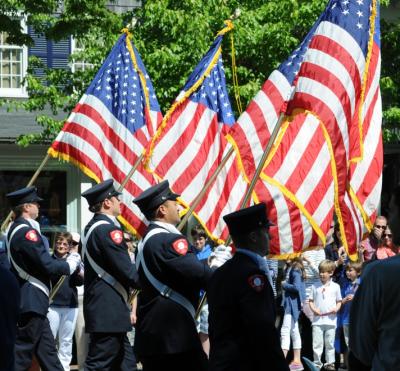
[[315, 295]]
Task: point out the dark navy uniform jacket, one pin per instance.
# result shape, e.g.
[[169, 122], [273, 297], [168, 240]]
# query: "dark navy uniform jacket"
[[104, 308], [29, 252], [164, 326], [242, 319]]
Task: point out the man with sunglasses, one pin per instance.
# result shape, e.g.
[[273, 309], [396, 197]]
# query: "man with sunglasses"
[[371, 243], [109, 274]]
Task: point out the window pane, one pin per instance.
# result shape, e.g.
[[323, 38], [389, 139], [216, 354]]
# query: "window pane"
[[5, 68], [6, 82], [16, 55], [6, 55], [15, 82], [16, 68]]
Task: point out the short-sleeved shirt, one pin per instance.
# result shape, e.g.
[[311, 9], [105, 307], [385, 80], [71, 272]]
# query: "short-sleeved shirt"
[[325, 298], [312, 274]]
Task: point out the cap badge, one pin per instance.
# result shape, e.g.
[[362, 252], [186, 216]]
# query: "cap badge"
[[180, 246], [116, 236], [32, 236], [256, 282]]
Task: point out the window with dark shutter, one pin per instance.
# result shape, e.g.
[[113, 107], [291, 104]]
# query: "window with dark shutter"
[[52, 54]]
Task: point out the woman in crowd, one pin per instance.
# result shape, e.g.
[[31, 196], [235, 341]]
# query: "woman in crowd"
[[386, 248], [63, 311], [294, 295]]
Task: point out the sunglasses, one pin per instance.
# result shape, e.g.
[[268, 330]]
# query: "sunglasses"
[[74, 243], [388, 235], [381, 227], [128, 240]]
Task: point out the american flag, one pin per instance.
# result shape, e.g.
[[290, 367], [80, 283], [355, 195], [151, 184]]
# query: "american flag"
[[190, 144], [110, 126], [366, 173], [324, 88]]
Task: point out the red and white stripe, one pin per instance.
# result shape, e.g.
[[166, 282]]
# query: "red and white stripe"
[[255, 125], [301, 171], [366, 175], [188, 153], [189, 149], [225, 196], [328, 86], [100, 143]]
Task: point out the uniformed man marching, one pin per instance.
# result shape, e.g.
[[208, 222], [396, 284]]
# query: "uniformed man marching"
[[241, 301], [109, 274], [33, 266], [170, 278]]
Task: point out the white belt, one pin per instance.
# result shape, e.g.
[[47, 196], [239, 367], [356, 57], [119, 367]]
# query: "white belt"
[[22, 273], [164, 290], [107, 277]]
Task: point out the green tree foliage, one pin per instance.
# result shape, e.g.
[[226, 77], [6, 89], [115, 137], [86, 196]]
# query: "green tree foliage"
[[171, 37], [390, 80]]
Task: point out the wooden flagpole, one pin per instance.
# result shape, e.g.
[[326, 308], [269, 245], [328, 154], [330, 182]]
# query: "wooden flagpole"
[[129, 176], [261, 164], [34, 177], [120, 188], [249, 191], [7, 220], [199, 197]]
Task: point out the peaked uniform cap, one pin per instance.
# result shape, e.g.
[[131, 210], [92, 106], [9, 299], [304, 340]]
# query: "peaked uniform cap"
[[100, 192], [155, 196], [23, 196], [248, 219]]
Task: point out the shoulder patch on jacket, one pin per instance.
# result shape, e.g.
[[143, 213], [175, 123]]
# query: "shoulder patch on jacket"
[[31, 235], [180, 246], [116, 236], [257, 282]]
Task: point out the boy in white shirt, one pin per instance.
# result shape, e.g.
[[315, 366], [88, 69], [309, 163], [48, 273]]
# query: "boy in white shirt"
[[325, 302]]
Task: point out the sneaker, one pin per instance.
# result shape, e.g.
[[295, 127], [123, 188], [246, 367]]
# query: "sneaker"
[[330, 367], [294, 366]]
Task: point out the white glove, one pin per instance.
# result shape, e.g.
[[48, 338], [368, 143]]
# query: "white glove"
[[220, 255], [73, 260]]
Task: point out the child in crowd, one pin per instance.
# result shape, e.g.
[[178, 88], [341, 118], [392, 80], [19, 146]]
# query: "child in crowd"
[[294, 295], [348, 288], [203, 252], [199, 237], [325, 302], [311, 260]]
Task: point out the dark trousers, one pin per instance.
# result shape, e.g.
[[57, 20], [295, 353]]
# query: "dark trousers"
[[306, 336], [34, 337], [355, 364], [110, 352], [195, 360]]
